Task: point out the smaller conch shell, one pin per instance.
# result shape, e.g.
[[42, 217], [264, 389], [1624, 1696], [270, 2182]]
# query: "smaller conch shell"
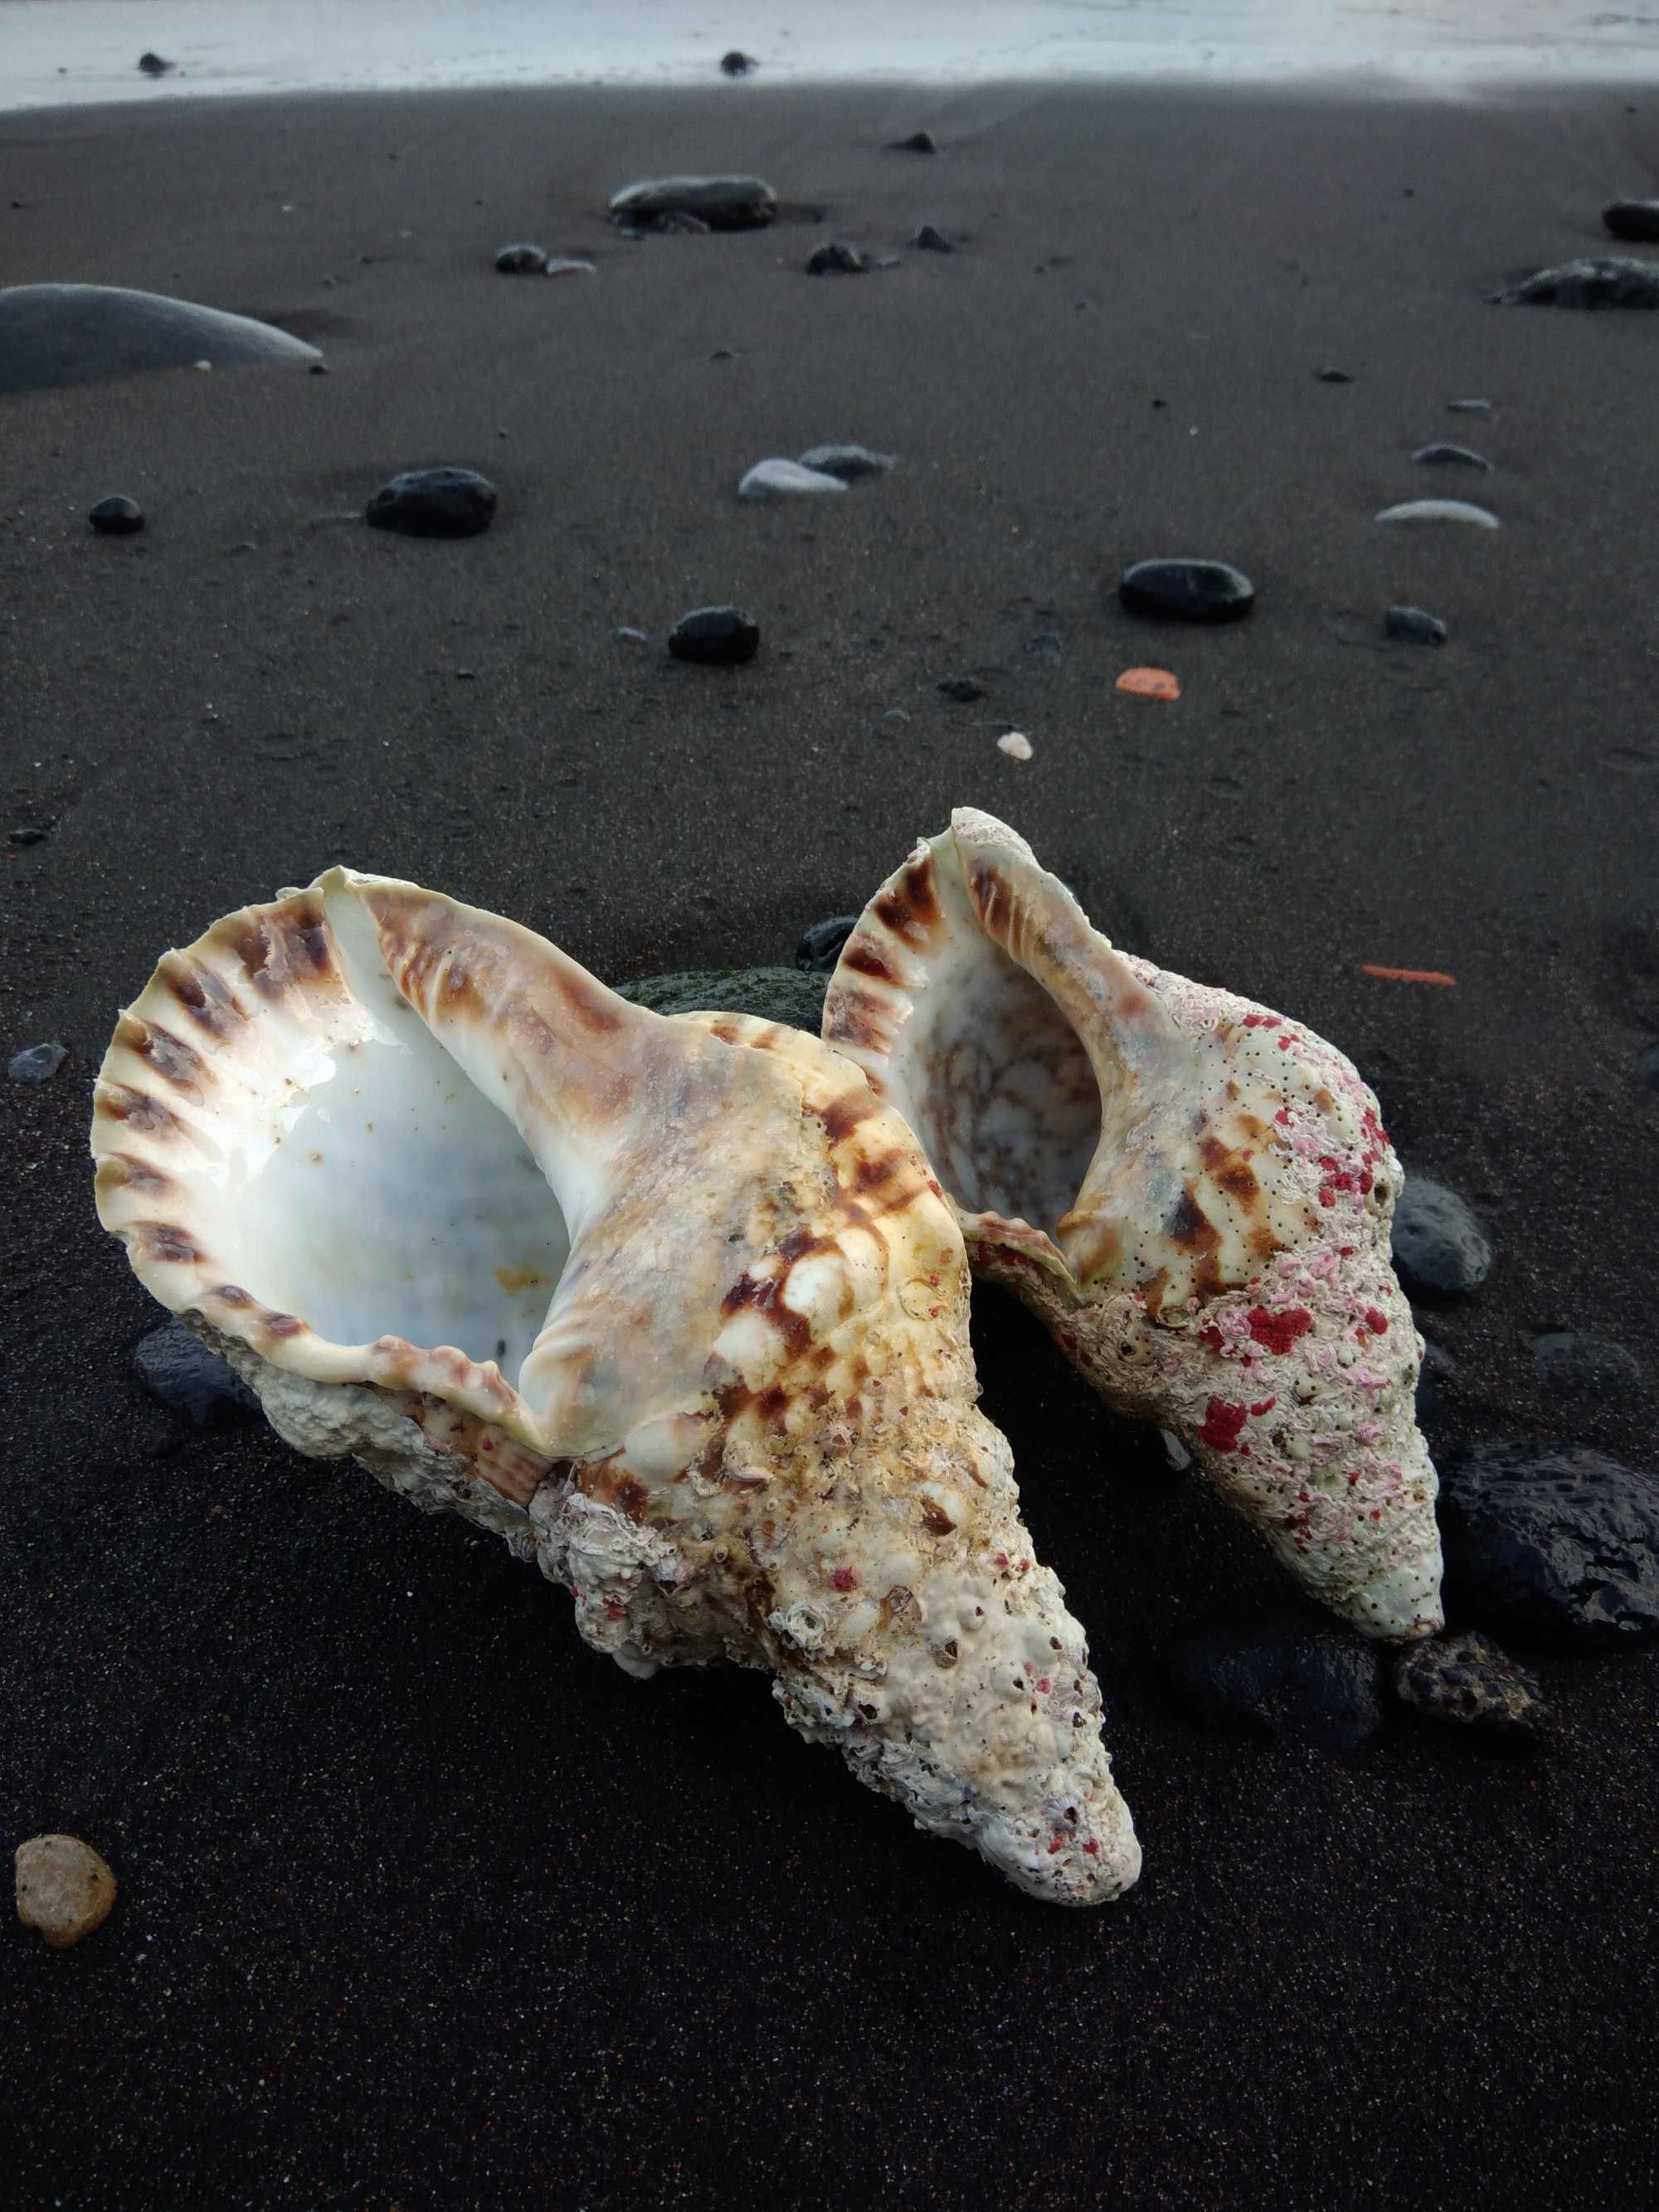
[[1193, 1193], [675, 1305]]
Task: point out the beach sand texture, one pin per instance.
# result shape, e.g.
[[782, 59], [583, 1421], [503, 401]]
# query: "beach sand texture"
[[424, 1904]]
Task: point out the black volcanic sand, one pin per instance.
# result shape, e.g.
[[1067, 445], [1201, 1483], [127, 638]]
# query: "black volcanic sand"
[[424, 1904]]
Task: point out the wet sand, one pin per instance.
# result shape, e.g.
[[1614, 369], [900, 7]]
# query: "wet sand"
[[422, 1903]]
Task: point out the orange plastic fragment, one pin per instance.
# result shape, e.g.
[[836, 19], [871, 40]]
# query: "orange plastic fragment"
[[1149, 684], [1409, 976]]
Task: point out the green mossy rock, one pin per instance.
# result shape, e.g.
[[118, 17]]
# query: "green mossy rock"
[[774, 994]]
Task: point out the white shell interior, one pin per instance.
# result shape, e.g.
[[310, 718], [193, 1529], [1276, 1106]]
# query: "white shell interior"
[[993, 1080], [375, 1190]]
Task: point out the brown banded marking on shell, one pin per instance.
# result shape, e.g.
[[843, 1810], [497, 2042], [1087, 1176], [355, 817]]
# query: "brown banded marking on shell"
[[1184, 1185]]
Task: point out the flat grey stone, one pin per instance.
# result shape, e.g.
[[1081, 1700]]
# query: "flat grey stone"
[[53, 334], [776, 479]]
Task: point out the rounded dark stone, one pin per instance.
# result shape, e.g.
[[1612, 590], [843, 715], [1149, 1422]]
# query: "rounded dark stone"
[[919, 141], [836, 259], [724, 635], [181, 1373], [434, 503], [1443, 455], [1320, 1685], [1467, 1679], [522, 260], [962, 690], [1581, 1366], [1187, 591], [153, 65], [723, 202], [820, 945], [929, 240], [53, 334], [737, 63], [1551, 1544], [28, 833], [1439, 1247], [850, 462], [1415, 624], [118, 516], [770, 994], [1609, 280], [1333, 376], [1633, 219], [37, 1063]]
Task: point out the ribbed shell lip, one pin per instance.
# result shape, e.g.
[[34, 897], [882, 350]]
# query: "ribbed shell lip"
[[158, 1154]]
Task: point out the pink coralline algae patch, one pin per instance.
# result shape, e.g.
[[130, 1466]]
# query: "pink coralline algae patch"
[[1278, 1330], [1222, 1425]]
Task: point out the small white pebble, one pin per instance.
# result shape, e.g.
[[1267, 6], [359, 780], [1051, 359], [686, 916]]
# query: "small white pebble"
[[1015, 743], [203, 364]]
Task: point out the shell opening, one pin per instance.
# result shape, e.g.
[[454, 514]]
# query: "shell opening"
[[995, 1080], [389, 1196]]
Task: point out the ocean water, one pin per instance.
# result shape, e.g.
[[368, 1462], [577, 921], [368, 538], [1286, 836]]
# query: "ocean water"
[[59, 52]]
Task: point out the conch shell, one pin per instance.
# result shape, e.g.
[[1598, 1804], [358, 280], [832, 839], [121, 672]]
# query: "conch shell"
[[1193, 1193], [674, 1305]]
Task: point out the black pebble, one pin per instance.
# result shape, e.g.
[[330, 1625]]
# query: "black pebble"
[[962, 689], [1439, 1247], [1187, 591], [820, 945], [836, 260], [1333, 376], [1570, 1364], [28, 833], [1445, 456], [919, 141], [522, 261], [1317, 1685], [1414, 624], [1552, 1544], [1633, 219], [116, 516], [1468, 1681], [178, 1370], [737, 63], [434, 503], [722, 636], [153, 65], [37, 1063], [928, 240]]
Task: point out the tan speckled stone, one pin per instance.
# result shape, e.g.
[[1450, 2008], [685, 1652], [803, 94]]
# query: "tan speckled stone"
[[63, 1888]]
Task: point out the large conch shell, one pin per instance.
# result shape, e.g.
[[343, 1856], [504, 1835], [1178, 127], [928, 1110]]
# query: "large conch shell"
[[1192, 1191], [674, 1305]]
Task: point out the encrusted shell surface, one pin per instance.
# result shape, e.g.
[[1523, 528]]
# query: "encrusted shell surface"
[[1193, 1193], [675, 1305]]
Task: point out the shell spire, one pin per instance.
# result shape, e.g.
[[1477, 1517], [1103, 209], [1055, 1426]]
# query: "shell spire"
[[674, 1305], [1193, 1192]]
